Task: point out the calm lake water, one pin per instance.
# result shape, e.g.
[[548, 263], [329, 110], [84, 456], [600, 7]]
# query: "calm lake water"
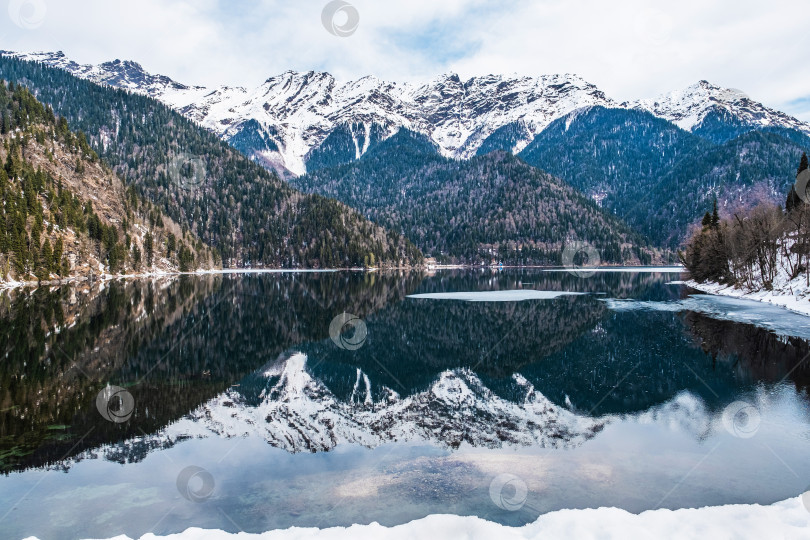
[[260, 401]]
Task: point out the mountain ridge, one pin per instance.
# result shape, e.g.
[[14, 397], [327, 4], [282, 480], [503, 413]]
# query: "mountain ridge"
[[291, 114]]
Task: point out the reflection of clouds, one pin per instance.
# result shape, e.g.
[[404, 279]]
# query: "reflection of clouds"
[[689, 413], [508, 492], [595, 472], [685, 412], [742, 419]]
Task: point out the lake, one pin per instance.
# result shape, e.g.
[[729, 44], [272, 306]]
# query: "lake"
[[271, 400]]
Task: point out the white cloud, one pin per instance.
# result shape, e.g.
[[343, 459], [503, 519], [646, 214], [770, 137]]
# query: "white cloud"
[[630, 49]]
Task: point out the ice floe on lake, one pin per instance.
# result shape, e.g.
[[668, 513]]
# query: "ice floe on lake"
[[774, 318], [497, 296]]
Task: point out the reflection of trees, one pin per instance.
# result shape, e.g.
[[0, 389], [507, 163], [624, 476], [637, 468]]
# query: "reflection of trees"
[[64, 345], [177, 344], [172, 344], [754, 354], [410, 342], [630, 362]]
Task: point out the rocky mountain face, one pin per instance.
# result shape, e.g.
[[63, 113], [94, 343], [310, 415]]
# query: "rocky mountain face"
[[118, 73], [296, 112]]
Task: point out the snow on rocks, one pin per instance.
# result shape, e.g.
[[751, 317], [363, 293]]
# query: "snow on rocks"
[[687, 108], [296, 111]]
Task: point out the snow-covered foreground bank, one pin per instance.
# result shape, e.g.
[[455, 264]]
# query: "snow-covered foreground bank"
[[786, 519]]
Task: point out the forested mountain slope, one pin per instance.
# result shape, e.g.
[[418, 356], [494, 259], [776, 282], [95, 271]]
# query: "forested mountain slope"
[[489, 207], [66, 214], [247, 213], [658, 177]]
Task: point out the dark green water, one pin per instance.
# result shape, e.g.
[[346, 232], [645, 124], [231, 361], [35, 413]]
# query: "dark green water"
[[616, 397]]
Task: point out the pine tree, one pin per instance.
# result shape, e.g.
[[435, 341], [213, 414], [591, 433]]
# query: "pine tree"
[[19, 252], [707, 220], [793, 200], [46, 259], [58, 247], [171, 244], [148, 245], [803, 166], [136, 257], [715, 216]]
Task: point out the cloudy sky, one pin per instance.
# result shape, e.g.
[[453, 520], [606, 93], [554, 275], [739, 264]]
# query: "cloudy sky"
[[630, 49]]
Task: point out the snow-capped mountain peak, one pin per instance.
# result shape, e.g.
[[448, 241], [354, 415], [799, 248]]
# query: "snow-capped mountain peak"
[[284, 120], [689, 107]]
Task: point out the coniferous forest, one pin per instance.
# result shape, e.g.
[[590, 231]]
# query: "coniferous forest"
[[64, 213], [490, 207], [249, 215]]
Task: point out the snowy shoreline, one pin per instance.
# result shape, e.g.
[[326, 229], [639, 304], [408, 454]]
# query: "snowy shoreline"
[[785, 519], [11, 284], [793, 296]]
